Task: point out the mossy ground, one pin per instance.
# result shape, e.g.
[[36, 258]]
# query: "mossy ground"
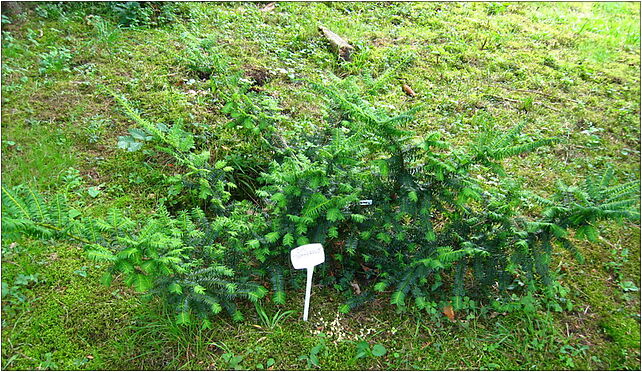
[[567, 69]]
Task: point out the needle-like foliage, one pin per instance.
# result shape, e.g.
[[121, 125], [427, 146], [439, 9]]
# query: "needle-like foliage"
[[397, 213]]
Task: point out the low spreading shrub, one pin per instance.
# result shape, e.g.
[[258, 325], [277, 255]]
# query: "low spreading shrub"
[[443, 225]]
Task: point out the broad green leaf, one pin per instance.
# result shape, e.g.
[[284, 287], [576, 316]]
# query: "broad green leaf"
[[93, 191], [314, 359], [378, 350], [73, 213], [139, 134], [129, 143]]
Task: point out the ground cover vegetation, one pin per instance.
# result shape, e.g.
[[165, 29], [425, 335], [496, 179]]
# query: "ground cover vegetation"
[[160, 161]]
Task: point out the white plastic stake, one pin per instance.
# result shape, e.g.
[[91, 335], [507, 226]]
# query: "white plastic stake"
[[307, 257], [308, 291]]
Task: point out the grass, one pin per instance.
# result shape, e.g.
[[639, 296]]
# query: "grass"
[[567, 69]]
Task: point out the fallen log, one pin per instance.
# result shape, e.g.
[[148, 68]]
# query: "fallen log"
[[340, 46]]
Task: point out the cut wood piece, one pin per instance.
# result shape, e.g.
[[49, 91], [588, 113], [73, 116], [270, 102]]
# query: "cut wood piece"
[[340, 46], [269, 7], [356, 288], [406, 88]]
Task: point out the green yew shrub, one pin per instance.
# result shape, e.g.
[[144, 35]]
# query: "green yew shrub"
[[438, 229]]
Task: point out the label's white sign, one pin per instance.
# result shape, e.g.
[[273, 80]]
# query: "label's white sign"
[[307, 256]]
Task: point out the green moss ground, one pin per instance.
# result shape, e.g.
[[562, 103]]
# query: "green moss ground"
[[568, 69]]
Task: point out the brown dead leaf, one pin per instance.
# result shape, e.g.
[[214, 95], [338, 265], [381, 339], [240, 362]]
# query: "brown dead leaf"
[[449, 312], [408, 90]]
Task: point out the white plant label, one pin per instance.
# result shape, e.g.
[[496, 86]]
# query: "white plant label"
[[307, 257]]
